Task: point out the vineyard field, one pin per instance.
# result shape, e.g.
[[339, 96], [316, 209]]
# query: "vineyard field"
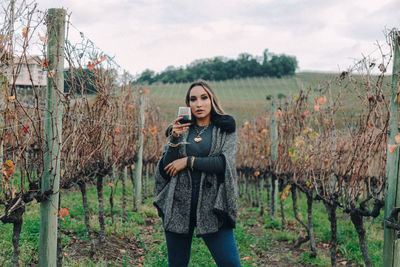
[[245, 98], [140, 240]]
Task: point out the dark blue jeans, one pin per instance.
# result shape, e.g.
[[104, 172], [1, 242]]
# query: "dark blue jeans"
[[221, 244]]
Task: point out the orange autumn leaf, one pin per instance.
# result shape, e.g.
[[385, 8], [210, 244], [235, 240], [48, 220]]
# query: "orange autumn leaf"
[[140, 91], [9, 164], [392, 148], [11, 98], [111, 184], [267, 147], [42, 38], [45, 62], [132, 167], [63, 213], [25, 32], [256, 173], [264, 131], [246, 258], [322, 100], [316, 107], [8, 170], [278, 114], [397, 138], [90, 65], [51, 73], [102, 58], [397, 98], [153, 130], [144, 132], [285, 192]]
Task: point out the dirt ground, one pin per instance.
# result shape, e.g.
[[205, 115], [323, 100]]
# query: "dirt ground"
[[127, 250]]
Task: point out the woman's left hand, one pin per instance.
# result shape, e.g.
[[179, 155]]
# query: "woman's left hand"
[[176, 166]]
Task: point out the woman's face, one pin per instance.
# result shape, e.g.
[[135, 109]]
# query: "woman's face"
[[200, 103]]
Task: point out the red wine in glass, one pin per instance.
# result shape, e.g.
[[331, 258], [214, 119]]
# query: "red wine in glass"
[[186, 115]]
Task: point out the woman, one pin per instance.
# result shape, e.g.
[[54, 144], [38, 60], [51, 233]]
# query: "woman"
[[196, 183]]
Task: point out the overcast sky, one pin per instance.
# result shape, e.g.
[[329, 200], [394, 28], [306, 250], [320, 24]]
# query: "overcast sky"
[[324, 35]]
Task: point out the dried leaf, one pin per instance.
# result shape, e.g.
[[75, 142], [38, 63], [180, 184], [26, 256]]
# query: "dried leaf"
[[45, 62], [42, 38], [51, 73], [278, 114], [397, 138], [25, 32], [117, 130], [153, 130], [392, 148], [397, 98]]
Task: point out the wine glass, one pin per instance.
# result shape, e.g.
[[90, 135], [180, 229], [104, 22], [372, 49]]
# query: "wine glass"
[[186, 115]]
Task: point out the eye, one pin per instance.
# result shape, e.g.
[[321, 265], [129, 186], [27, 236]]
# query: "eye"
[[204, 97], [192, 99]]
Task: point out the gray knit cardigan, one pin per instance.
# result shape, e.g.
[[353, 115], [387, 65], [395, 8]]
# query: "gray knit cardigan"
[[217, 198]]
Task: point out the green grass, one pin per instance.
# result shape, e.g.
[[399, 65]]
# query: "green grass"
[[255, 235], [348, 246]]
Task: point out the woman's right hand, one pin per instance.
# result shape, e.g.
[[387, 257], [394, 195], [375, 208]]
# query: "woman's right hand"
[[178, 128]]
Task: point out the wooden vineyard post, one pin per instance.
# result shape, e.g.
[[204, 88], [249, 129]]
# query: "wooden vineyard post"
[[124, 177], [3, 85], [391, 245], [274, 154], [52, 145], [139, 162], [112, 184]]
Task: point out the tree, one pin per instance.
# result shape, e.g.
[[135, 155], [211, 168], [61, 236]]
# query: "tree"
[[222, 68]]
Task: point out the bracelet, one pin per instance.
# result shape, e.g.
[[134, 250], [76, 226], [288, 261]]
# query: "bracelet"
[[172, 144], [191, 163]]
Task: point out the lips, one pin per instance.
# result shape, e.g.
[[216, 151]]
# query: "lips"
[[199, 111]]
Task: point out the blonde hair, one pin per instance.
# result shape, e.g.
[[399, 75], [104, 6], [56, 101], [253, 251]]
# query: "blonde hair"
[[216, 107]]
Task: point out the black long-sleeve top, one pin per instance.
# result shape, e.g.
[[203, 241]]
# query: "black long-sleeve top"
[[200, 150]]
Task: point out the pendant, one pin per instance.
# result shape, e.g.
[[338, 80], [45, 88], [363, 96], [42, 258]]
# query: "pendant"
[[197, 139]]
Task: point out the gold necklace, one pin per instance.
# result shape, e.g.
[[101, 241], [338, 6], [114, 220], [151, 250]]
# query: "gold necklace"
[[198, 138]]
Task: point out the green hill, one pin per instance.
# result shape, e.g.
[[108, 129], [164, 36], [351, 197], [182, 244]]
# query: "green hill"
[[246, 98]]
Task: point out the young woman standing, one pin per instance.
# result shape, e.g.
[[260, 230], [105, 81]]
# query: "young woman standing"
[[196, 181]]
